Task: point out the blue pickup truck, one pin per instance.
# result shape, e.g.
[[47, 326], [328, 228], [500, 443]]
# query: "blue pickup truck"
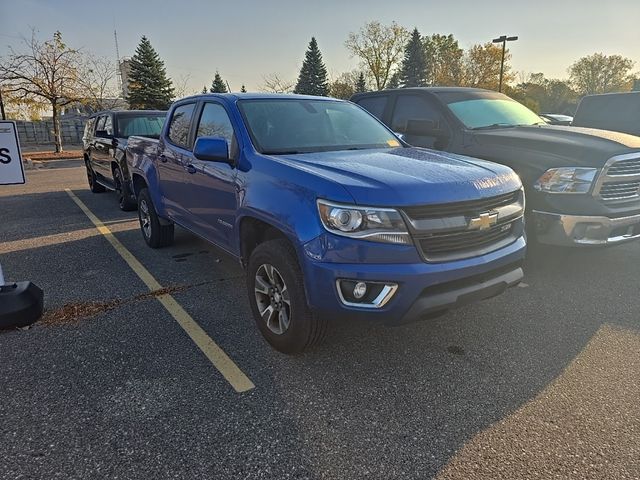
[[329, 212]]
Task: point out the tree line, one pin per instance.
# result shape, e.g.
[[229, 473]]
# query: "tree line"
[[52, 74]]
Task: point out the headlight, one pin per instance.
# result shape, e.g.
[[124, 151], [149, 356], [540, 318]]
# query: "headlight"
[[566, 180], [366, 223]]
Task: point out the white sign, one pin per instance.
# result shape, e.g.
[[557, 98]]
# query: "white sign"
[[11, 170]]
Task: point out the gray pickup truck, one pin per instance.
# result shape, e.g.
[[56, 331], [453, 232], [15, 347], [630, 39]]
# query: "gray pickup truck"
[[582, 185]]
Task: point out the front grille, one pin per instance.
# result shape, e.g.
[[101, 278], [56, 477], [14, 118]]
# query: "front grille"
[[625, 167], [466, 241], [468, 209], [620, 190]]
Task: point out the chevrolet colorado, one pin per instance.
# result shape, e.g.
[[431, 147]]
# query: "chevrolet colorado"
[[328, 211]]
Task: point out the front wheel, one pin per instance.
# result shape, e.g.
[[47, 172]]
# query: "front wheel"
[[275, 287], [153, 231]]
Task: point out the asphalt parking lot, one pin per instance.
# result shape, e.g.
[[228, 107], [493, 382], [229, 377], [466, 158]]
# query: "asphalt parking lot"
[[540, 382]]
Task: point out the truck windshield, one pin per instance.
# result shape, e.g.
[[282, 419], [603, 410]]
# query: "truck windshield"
[[142, 126], [288, 126], [479, 113]]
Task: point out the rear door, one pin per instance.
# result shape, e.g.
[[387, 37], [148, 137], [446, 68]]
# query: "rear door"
[[103, 148], [173, 153], [213, 201]]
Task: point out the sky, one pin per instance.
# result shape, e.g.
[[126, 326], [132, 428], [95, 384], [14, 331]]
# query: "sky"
[[246, 40]]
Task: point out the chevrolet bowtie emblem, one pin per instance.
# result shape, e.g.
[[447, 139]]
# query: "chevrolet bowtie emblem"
[[484, 221]]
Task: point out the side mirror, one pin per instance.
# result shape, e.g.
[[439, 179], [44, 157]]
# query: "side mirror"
[[102, 134], [424, 128], [213, 149]]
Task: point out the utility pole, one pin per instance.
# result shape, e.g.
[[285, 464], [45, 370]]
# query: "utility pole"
[[503, 40]]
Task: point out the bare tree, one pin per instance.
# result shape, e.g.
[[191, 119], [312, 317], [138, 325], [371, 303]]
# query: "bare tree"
[[47, 70], [274, 84], [181, 86], [97, 82], [380, 48]]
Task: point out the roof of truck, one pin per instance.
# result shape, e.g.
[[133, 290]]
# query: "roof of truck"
[[255, 96]]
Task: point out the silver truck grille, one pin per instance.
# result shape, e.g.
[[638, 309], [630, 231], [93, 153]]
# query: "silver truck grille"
[[620, 179], [444, 232]]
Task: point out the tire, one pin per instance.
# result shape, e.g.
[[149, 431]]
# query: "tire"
[[154, 233], [122, 190], [94, 186], [274, 262]]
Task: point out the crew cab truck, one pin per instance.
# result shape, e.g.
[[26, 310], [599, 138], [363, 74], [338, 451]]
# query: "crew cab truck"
[[104, 143], [619, 112], [582, 185], [329, 213]]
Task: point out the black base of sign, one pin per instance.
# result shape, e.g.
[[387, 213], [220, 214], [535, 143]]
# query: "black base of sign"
[[21, 304]]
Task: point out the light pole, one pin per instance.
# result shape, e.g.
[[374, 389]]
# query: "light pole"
[[503, 40]]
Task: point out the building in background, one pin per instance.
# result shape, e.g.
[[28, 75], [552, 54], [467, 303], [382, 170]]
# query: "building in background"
[[125, 70]]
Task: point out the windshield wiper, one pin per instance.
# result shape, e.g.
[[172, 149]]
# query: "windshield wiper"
[[495, 125], [282, 152]]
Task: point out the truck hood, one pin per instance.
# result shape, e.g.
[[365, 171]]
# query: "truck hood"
[[407, 176], [579, 146]]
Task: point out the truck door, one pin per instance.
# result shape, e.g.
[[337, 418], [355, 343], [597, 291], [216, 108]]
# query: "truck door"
[[430, 128], [173, 153], [213, 201], [102, 148]]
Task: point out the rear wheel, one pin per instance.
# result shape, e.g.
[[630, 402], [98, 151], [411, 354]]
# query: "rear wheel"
[[275, 286], [153, 231], [122, 190], [94, 186]]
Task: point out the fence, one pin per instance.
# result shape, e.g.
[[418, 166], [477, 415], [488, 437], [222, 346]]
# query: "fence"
[[42, 131]]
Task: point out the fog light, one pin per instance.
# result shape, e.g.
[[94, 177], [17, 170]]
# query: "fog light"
[[360, 290], [356, 293]]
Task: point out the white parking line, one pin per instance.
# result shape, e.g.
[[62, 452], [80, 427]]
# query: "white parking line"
[[229, 370]]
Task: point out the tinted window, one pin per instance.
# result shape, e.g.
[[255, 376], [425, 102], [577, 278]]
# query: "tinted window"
[[413, 107], [88, 128], [100, 124], [214, 122], [280, 126], [180, 125], [144, 126], [108, 125], [374, 105]]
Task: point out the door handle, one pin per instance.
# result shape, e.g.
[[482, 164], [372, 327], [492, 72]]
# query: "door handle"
[[191, 169], [163, 158]]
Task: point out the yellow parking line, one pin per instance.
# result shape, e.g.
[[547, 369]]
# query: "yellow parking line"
[[229, 370]]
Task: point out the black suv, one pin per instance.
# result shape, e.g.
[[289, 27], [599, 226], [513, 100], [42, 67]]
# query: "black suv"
[[582, 185], [104, 143]]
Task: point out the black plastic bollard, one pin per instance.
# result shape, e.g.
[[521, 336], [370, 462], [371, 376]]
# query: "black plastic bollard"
[[21, 304]]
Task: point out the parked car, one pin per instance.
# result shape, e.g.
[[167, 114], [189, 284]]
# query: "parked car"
[[328, 212], [619, 112], [582, 185], [556, 118], [104, 142]]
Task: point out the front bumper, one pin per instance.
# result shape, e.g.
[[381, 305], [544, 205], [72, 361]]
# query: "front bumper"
[[422, 288], [581, 230]]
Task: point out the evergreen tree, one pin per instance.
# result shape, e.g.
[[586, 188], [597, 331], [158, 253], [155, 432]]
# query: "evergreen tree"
[[149, 86], [313, 74], [413, 71], [243, 89], [218, 86], [361, 84], [204, 89], [394, 81]]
